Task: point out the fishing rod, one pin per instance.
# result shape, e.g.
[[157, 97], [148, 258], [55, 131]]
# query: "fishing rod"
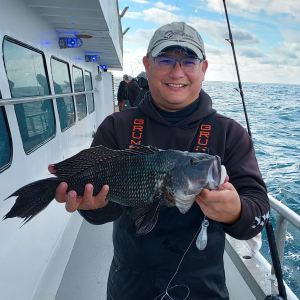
[[240, 89], [269, 228]]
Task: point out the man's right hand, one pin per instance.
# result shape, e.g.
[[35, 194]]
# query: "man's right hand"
[[85, 202]]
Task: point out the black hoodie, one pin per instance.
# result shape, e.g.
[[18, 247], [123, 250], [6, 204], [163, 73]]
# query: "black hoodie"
[[161, 249]]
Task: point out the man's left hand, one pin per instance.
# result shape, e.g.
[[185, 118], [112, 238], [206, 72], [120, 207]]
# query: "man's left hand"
[[223, 205]]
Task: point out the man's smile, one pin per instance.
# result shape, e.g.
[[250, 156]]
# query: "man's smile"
[[176, 85]]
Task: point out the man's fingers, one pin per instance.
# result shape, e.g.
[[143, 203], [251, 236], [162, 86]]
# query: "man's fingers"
[[88, 201], [73, 201], [61, 191], [100, 199]]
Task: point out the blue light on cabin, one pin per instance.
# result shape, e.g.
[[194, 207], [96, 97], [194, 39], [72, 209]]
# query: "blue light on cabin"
[[68, 42], [91, 58], [104, 68]]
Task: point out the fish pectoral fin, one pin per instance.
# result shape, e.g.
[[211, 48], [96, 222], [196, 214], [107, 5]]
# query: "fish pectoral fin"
[[145, 218], [111, 212]]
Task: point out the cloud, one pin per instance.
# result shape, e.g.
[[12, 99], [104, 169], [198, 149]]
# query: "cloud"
[[133, 15], [159, 16], [269, 7], [140, 1], [251, 53], [166, 6], [219, 31], [274, 58]]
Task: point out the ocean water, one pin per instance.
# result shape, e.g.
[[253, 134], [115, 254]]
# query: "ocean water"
[[274, 116]]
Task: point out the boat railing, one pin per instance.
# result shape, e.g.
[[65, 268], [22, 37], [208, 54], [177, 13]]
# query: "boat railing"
[[285, 216], [12, 101]]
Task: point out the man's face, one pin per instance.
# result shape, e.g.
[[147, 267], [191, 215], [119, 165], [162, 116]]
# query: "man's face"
[[173, 88]]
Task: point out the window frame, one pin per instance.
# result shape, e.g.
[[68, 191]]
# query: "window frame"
[[73, 83], [5, 119], [29, 47], [72, 90]]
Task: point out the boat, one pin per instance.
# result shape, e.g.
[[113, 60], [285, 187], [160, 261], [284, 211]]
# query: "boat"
[[55, 89]]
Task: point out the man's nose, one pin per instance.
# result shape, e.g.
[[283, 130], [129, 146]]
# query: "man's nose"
[[177, 70]]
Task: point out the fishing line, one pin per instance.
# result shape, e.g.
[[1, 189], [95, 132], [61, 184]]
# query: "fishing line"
[[165, 295]]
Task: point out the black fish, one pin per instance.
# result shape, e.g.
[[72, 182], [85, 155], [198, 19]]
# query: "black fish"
[[140, 179]]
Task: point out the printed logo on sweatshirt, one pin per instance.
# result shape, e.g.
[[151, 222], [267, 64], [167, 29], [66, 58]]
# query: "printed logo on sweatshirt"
[[203, 138], [260, 221], [137, 131]]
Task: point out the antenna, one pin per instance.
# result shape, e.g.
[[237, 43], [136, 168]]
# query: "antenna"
[[125, 31], [124, 11]]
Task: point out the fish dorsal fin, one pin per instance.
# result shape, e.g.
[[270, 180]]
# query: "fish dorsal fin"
[[94, 155], [86, 159], [141, 149]]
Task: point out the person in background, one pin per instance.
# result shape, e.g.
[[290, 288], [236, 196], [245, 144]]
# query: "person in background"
[[173, 111], [122, 94], [133, 90], [143, 84]]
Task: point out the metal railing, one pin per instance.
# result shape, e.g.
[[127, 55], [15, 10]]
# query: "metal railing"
[[12, 101], [285, 216]]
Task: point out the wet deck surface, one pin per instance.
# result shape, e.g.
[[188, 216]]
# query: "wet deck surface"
[[86, 274]]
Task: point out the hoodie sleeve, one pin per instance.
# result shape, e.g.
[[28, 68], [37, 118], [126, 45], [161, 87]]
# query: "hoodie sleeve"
[[242, 167]]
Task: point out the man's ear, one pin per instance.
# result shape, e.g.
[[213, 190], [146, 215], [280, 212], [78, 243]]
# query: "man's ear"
[[146, 62], [204, 66]]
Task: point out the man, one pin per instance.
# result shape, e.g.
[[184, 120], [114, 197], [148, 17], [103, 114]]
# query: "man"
[[143, 84], [173, 112], [122, 94], [133, 91]]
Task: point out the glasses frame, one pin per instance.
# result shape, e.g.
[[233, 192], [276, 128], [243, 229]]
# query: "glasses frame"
[[179, 60]]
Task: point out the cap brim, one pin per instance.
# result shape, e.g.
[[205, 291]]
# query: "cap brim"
[[159, 48]]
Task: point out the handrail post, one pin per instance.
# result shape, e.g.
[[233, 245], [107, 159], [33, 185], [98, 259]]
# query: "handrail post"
[[280, 236]]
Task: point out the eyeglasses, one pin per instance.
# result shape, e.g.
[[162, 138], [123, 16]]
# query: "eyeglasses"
[[187, 64]]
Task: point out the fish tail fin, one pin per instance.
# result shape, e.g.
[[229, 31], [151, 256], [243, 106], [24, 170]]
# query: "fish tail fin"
[[33, 198]]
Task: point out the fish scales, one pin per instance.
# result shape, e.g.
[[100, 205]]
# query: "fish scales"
[[140, 180], [133, 180]]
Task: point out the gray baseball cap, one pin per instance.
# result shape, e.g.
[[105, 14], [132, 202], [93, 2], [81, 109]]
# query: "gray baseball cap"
[[176, 34]]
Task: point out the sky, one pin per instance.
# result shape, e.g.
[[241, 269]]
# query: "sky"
[[266, 36]]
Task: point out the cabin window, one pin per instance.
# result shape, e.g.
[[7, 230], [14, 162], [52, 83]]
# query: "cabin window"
[[62, 85], [5, 141], [89, 87], [26, 72], [79, 87]]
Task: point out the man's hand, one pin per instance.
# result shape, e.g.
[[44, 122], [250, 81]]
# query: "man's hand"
[[74, 202], [222, 205]]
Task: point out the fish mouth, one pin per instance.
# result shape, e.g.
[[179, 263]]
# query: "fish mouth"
[[221, 170], [217, 173], [224, 177]]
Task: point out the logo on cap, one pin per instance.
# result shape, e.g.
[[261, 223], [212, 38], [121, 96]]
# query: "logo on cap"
[[169, 34]]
